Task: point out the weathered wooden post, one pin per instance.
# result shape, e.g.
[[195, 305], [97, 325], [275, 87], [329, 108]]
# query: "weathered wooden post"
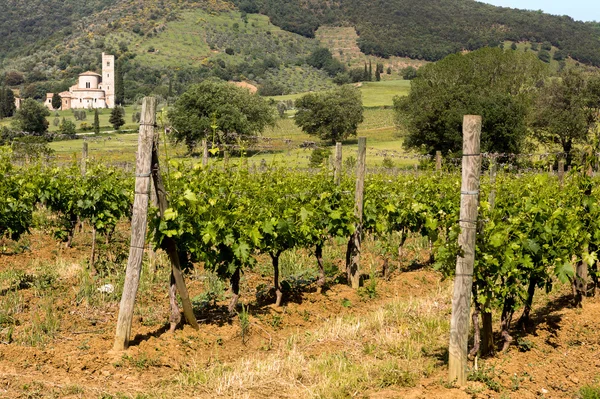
[[84, 157], [463, 280], [204, 152], [438, 161], [354, 246], [138, 223], [337, 165], [225, 159], [561, 172]]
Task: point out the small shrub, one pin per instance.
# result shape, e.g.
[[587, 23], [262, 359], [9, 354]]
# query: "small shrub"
[[387, 163], [319, 156]]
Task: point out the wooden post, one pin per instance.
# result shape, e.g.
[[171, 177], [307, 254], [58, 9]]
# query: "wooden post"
[[438, 161], [225, 159], [170, 247], [463, 280], [337, 165], [354, 246], [493, 172], [84, 157], [561, 172], [138, 223], [204, 153]]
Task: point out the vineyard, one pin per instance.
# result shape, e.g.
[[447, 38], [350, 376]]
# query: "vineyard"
[[536, 231]]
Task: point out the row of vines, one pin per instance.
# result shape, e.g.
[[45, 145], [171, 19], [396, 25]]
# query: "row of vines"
[[534, 234]]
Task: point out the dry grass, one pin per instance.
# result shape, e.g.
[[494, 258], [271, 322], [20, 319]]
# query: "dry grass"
[[396, 345]]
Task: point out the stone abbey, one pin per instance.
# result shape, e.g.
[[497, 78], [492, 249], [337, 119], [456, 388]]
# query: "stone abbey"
[[92, 89]]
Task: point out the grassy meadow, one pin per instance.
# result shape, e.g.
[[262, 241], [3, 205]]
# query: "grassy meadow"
[[280, 144], [374, 94]]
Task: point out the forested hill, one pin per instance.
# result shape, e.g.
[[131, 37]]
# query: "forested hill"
[[432, 29], [25, 25]]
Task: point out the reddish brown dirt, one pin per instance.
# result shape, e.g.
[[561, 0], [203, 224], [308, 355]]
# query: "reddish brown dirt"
[[79, 361]]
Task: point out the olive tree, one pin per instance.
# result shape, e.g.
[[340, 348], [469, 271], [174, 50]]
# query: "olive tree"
[[490, 82], [332, 115], [218, 111], [31, 117]]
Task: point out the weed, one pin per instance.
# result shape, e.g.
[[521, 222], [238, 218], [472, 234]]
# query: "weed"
[[589, 392], [369, 291], [84, 345], [485, 375], [10, 306], [44, 326], [524, 344], [244, 324], [391, 374], [346, 303], [515, 382], [276, 320]]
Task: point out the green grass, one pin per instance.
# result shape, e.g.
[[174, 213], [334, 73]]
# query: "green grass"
[[374, 94], [378, 127], [104, 115]]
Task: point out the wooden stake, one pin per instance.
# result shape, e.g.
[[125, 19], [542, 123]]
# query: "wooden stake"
[[138, 223], [493, 172], [561, 172], [463, 280], [204, 153], [337, 165], [438, 161], [225, 159], [84, 157], [354, 246]]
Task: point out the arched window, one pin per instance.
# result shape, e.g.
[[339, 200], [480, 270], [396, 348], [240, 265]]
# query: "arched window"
[[87, 85]]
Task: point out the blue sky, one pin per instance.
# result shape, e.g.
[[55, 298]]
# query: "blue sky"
[[582, 10]]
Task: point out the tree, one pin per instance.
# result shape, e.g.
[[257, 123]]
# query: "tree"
[[513, 46], [370, 71], [490, 82], [7, 103], [566, 108], [544, 56], [96, 122], [31, 117], [408, 73], [56, 101], [332, 115], [117, 117], [377, 75], [66, 127], [218, 111]]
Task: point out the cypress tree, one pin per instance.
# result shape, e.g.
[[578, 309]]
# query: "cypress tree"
[[366, 74], [370, 71], [96, 122], [119, 87], [7, 102], [56, 101]]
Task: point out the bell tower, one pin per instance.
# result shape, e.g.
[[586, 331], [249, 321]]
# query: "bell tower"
[[108, 79]]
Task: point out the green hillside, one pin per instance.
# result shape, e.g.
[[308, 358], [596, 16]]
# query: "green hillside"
[[432, 29], [163, 46]]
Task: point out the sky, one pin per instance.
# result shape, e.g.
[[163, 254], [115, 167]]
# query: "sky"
[[581, 10]]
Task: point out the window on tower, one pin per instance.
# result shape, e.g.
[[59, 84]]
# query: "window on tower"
[[108, 63], [87, 85]]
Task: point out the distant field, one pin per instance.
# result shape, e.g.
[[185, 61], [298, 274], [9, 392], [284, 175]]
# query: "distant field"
[[104, 114], [282, 145], [374, 94]]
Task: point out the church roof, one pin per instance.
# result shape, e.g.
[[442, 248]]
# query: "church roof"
[[90, 73]]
